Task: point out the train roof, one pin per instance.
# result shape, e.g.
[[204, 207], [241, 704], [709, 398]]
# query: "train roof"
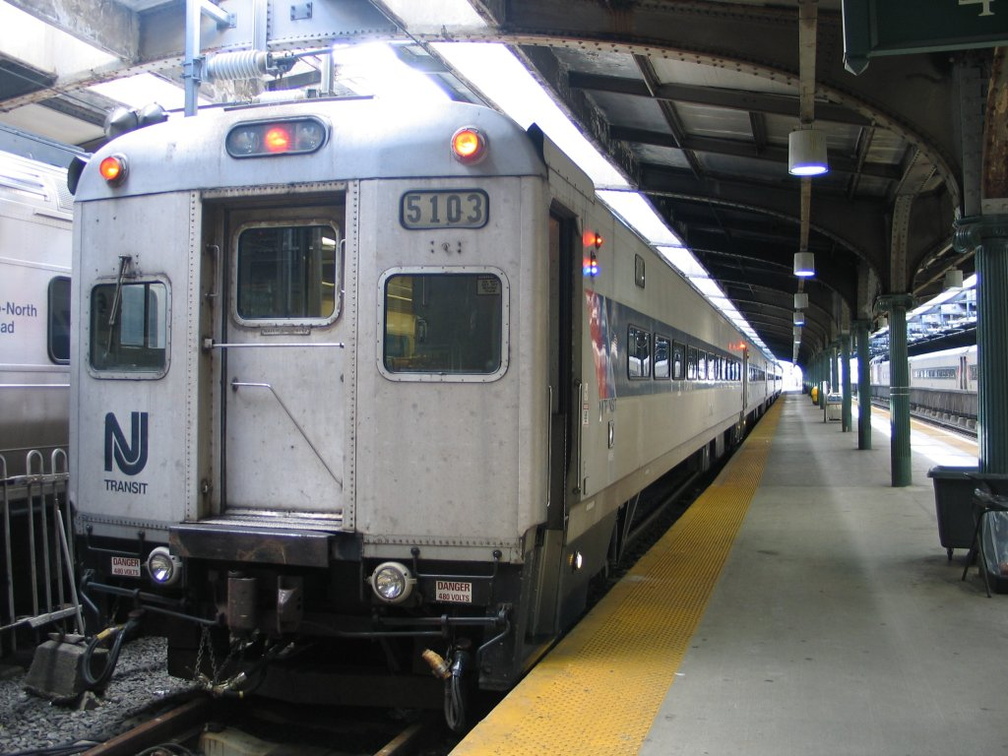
[[366, 138], [38, 185]]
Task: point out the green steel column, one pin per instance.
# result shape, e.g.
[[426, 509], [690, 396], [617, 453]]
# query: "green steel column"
[[845, 418], [864, 384], [823, 380], [899, 388], [988, 235], [834, 369]]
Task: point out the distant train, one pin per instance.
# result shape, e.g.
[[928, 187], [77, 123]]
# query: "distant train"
[[954, 369], [363, 392], [36, 215], [943, 384]]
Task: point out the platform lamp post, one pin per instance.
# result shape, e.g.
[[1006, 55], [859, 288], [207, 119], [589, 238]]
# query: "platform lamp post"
[[987, 235], [899, 387]]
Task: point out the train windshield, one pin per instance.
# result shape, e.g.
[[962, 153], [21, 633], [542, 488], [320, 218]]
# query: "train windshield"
[[443, 323], [287, 273], [129, 327]]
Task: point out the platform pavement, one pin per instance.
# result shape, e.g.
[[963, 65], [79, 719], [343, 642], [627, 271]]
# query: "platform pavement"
[[838, 626]]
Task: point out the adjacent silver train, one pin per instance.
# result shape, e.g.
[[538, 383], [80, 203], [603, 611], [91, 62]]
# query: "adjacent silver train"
[[943, 385], [954, 369], [363, 392], [36, 215]]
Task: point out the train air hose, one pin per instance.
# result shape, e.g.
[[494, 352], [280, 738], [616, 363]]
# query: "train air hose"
[[118, 635], [456, 702]]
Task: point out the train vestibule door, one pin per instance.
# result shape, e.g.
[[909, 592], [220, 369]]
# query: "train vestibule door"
[[281, 365], [564, 329]]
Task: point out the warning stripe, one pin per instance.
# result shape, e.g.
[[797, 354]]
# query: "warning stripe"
[[598, 691]]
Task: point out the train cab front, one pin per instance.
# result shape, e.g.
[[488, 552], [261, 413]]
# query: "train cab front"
[[302, 616]]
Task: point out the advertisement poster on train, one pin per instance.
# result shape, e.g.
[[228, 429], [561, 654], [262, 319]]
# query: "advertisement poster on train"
[[603, 347]]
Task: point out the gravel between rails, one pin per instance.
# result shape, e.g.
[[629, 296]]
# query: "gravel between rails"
[[140, 688]]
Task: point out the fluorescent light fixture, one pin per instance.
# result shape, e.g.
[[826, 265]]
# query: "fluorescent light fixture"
[[373, 69], [435, 15], [635, 209], [683, 260], [501, 77], [804, 264], [48, 49], [807, 153], [799, 318], [800, 300]]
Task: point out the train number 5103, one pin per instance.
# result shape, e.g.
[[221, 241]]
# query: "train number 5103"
[[432, 209]]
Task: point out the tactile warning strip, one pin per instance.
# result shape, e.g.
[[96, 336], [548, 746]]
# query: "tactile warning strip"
[[598, 691]]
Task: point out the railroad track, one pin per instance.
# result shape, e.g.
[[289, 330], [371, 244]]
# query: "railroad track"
[[205, 725], [930, 419]]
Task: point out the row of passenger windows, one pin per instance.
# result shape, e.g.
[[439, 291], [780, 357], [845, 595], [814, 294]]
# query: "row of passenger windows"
[[673, 360], [949, 373]]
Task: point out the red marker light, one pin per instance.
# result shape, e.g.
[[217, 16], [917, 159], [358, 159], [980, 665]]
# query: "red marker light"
[[296, 136], [277, 139], [113, 169], [468, 145], [592, 239]]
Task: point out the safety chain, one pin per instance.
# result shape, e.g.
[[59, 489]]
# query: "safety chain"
[[205, 642]]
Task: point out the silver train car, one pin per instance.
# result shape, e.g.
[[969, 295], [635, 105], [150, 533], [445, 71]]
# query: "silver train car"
[[36, 218], [953, 369], [363, 393]]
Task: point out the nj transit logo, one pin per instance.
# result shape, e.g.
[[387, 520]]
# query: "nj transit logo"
[[129, 456]]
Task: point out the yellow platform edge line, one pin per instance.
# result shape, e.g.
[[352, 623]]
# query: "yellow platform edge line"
[[599, 689]]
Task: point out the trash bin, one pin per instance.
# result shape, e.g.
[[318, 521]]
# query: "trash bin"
[[834, 406], [953, 488]]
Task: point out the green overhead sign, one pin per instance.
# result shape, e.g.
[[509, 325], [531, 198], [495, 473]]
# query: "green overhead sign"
[[899, 27]]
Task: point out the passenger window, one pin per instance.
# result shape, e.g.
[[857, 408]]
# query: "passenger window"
[[678, 362], [59, 320], [662, 349], [287, 273], [444, 323], [129, 327], [693, 364], [638, 353]]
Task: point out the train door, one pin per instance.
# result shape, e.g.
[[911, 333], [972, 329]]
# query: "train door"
[[745, 380], [282, 363], [562, 230], [564, 393]]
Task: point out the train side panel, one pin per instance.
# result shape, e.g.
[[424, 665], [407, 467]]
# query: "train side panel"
[[134, 460], [464, 469], [35, 248]]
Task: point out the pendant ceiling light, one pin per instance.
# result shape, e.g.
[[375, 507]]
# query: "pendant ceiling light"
[[804, 264], [807, 153]]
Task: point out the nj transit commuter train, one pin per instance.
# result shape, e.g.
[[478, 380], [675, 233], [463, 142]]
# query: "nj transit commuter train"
[[36, 218], [363, 392]]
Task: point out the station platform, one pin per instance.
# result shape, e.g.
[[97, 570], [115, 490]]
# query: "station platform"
[[802, 605]]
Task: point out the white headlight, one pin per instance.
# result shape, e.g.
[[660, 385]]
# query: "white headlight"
[[392, 582], [163, 567]]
